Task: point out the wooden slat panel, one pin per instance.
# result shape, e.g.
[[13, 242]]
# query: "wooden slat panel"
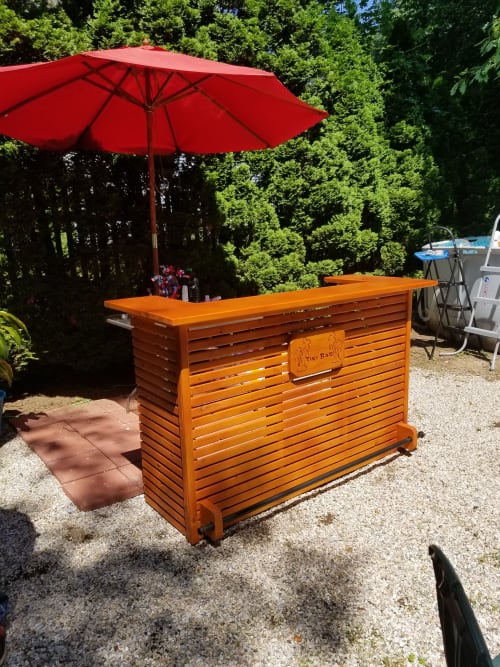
[[261, 501], [152, 387], [156, 499], [161, 482], [212, 353], [256, 432], [162, 368], [232, 390], [278, 478], [262, 397], [284, 390], [296, 443], [164, 462], [158, 342], [318, 415], [186, 433], [165, 488], [221, 475], [165, 423], [156, 369], [265, 328], [326, 403], [165, 402], [226, 347], [360, 399], [217, 424], [159, 403], [264, 394], [337, 388], [164, 505], [165, 453], [238, 422], [359, 354], [246, 370], [263, 492], [152, 347], [293, 448], [323, 315]]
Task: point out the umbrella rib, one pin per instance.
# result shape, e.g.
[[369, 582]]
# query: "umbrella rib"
[[294, 101], [236, 119], [109, 86], [163, 105], [152, 105], [68, 82], [194, 87], [112, 87], [43, 93], [114, 90]]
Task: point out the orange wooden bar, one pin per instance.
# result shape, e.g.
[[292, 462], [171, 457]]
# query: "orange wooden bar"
[[244, 403]]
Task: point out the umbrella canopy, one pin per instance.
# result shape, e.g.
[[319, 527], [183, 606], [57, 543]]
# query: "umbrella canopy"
[[147, 100]]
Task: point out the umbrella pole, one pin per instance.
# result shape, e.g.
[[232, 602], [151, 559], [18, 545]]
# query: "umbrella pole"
[[152, 196], [152, 213]]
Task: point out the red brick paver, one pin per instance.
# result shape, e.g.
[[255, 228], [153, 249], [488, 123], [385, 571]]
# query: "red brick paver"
[[92, 449]]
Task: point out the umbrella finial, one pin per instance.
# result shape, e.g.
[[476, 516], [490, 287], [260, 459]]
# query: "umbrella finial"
[[145, 41]]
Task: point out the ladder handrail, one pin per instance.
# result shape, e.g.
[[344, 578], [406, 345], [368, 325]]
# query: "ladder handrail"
[[492, 241], [450, 234], [479, 331]]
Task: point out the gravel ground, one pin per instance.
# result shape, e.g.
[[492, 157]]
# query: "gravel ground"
[[340, 577]]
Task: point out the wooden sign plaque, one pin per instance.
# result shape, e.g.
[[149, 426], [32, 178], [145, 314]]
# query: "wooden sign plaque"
[[309, 354]]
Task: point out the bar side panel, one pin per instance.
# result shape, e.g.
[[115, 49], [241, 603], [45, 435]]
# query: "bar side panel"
[[156, 368]]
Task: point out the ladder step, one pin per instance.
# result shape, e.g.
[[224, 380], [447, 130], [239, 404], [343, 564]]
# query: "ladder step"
[[453, 307], [483, 332], [447, 283], [490, 269], [451, 327], [486, 299]]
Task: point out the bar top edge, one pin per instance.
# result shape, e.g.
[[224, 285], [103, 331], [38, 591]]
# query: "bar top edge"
[[338, 289]]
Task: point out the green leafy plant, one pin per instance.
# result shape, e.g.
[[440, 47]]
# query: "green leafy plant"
[[13, 335]]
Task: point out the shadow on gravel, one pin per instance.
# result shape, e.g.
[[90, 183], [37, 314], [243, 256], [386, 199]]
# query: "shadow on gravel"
[[17, 542], [7, 432], [177, 605]]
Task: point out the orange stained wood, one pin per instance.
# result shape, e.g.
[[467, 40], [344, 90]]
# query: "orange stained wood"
[[346, 288], [247, 402]]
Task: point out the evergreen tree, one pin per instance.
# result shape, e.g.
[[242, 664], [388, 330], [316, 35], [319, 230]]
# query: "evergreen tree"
[[424, 48]]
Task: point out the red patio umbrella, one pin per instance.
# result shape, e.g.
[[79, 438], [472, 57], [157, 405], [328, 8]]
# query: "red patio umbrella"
[[147, 100]]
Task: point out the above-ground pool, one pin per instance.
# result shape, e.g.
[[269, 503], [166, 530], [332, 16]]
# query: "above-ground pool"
[[441, 261]]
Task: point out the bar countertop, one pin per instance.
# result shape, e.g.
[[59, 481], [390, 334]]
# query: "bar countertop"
[[339, 289]]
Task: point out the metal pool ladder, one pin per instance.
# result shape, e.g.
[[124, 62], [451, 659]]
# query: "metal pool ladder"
[[487, 270]]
